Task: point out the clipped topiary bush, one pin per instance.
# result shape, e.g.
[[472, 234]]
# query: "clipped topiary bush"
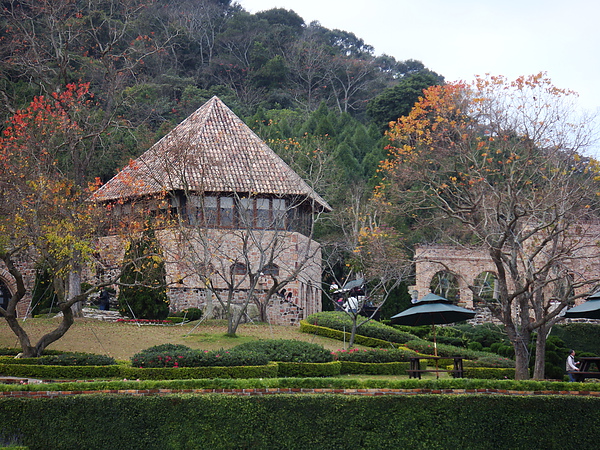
[[342, 322], [288, 350]]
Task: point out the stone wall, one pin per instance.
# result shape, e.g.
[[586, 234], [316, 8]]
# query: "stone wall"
[[193, 260]]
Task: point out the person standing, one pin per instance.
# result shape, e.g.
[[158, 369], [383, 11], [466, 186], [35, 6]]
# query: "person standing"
[[572, 365], [104, 300]]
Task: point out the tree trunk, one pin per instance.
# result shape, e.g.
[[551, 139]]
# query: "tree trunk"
[[74, 291], [521, 358], [539, 368]]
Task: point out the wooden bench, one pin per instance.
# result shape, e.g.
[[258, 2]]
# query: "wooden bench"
[[415, 370], [581, 376]]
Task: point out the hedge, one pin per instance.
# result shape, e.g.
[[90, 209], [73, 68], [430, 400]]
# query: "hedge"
[[122, 371], [60, 372], [310, 383], [294, 369], [306, 327], [302, 421], [489, 373], [393, 368]]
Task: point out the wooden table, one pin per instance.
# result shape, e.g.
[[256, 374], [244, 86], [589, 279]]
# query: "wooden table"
[[586, 363], [415, 370]]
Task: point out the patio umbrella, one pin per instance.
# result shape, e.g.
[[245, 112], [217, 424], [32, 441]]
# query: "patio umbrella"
[[589, 309], [432, 310]]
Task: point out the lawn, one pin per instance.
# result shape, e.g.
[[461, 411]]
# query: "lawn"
[[123, 340]]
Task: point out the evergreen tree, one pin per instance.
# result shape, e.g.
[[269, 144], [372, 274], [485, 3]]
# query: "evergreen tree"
[[43, 297], [143, 292]]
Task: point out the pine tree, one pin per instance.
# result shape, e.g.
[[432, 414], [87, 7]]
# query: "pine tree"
[[143, 293]]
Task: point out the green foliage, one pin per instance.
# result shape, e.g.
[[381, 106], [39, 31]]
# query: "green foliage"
[[48, 372], [380, 355], [143, 294], [397, 101], [43, 296], [305, 327], [487, 373], [288, 350], [269, 370], [390, 368], [582, 337], [307, 369], [192, 313], [342, 322], [171, 355], [65, 359], [290, 421]]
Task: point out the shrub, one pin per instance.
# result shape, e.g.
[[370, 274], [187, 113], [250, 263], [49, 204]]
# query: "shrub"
[[296, 369], [76, 359], [192, 313], [491, 361], [342, 322], [374, 356], [288, 350], [172, 355]]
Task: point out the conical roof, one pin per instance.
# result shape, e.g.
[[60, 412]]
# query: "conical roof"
[[210, 151]]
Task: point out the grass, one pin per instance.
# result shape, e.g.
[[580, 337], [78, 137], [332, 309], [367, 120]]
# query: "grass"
[[123, 340]]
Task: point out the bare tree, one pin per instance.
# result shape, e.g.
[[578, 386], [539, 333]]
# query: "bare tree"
[[495, 166], [373, 256]]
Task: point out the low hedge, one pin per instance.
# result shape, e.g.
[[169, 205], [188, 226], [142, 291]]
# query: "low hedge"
[[392, 368], [489, 373], [65, 359], [341, 321], [122, 371], [306, 327], [309, 383], [181, 373], [379, 355], [60, 372], [294, 369]]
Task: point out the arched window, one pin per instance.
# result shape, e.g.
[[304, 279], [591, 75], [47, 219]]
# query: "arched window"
[[445, 284], [271, 269], [4, 295], [485, 287], [239, 268]]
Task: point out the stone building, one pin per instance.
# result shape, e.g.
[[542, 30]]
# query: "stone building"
[[237, 219], [468, 275]]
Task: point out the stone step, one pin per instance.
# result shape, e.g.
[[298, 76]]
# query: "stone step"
[[107, 316]]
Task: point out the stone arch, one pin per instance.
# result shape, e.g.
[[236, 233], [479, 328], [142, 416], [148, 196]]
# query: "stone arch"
[[466, 264], [445, 283], [485, 287]]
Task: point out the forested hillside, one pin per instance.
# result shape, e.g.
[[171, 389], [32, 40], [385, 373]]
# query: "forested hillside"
[[122, 73], [149, 64]]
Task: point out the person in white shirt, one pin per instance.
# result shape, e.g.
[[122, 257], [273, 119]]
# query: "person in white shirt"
[[572, 365]]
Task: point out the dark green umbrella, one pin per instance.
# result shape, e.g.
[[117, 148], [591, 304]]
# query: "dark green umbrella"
[[589, 309], [432, 310]]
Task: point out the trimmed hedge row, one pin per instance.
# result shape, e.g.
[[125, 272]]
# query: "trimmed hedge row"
[[295, 369], [290, 421], [392, 368], [306, 327], [341, 321], [489, 373], [122, 371], [310, 383]]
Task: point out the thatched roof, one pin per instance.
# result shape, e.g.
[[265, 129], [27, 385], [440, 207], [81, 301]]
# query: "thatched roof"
[[210, 151]]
